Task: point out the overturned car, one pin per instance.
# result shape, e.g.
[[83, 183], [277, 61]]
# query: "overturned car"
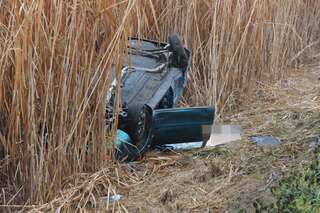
[[153, 77]]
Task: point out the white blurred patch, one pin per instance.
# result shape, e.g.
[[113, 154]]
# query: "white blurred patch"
[[223, 134]]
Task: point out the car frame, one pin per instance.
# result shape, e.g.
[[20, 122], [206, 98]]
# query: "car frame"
[[153, 77]]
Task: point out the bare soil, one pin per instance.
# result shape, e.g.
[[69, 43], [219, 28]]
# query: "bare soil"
[[231, 177]]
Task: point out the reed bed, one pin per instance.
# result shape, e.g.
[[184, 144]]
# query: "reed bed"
[[55, 71]]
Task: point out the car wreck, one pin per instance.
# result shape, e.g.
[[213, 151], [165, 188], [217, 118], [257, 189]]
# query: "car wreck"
[[153, 77]]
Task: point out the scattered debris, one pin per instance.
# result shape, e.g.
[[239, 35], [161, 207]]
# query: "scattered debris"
[[267, 140], [182, 146], [112, 198], [314, 142], [243, 170]]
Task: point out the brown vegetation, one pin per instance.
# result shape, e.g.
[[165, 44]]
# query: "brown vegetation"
[[55, 59]]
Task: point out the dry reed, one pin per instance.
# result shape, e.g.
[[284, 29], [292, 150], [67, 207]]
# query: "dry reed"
[[56, 57]]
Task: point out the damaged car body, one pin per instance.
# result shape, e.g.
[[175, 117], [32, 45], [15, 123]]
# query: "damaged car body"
[[153, 77]]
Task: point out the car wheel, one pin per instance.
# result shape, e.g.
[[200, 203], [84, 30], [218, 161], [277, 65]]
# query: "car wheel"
[[141, 133], [180, 58]]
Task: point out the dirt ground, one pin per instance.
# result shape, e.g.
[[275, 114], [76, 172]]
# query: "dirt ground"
[[230, 178], [226, 178]]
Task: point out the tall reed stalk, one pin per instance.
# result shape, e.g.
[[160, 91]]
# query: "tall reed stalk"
[[55, 70]]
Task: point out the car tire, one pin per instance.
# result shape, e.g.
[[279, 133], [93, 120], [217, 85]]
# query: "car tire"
[[179, 58], [141, 133]]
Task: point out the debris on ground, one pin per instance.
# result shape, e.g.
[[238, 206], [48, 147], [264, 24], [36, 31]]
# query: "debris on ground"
[[265, 140], [233, 176], [314, 142], [112, 198]]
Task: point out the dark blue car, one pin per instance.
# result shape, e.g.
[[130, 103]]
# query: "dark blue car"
[[153, 77]]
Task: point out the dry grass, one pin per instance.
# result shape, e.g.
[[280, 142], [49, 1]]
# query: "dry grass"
[[231, 177], [55, 60]]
